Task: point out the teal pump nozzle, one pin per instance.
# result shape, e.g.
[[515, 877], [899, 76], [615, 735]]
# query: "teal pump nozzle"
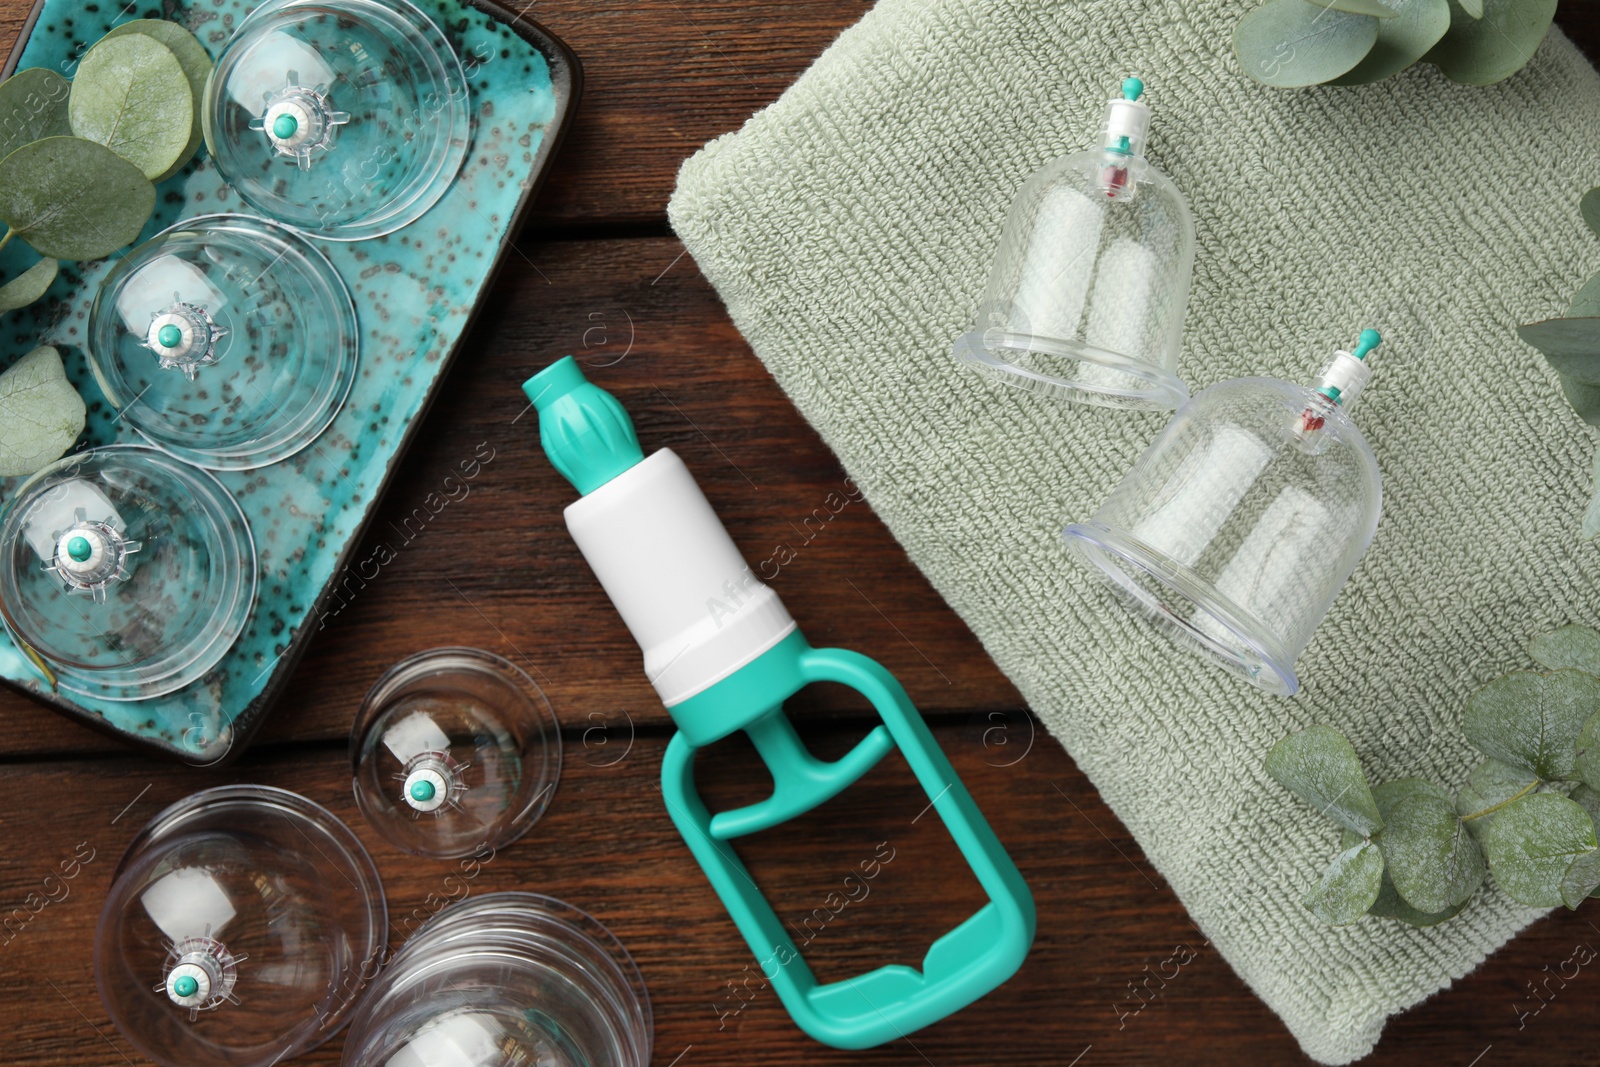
[[724, 654], [585, 432]]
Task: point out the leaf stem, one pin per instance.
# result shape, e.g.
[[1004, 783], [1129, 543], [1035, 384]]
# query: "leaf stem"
[[10, 233], [1530, 787]]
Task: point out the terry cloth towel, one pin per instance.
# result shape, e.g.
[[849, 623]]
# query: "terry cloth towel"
[[850, 226]]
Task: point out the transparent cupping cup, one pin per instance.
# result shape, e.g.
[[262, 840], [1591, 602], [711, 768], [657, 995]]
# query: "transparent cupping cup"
[[229, 341], [1087, 294], [346, 119], [240, 929], [1239, 525], [501, 979], [129, 572], [455, 752]]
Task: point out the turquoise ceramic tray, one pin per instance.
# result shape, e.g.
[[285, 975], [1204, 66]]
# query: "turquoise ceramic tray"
[[415, 293]]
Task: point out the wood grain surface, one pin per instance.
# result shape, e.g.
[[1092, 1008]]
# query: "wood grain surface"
[[597, 274]]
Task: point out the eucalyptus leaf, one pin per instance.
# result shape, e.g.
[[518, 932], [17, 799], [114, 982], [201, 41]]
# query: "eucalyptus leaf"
[[73, 199], [1390, 794], [1389, 904], [1319, 766], [1473, 8], [28, 286], [1417, 27], [1572, 346], [1591, 514], [1586, 302], [1589, 207], [33, 104], [1358, 7], [1432, 860], [1289, 43], [1589, 800], [196, 63], [41, 414], [131, 95], [1581, 880], [1572, 646], [1485, 49], [1588, 762], [1349, 885], [1533, 842], [1532, 720], [1584, 399], [1490, 786]]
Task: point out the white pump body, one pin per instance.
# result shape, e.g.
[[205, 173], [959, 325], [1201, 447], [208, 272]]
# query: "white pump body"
[[675, 576]]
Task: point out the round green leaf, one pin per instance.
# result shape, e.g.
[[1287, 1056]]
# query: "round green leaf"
[[33, 104], [1491, 48], [1589, 207], [1533, 842], [1586, 304], [1571, 345], [1359, 7], [1433, 861], [1292, 42], [1402, 40], [41, 414], [131, 95], [196, 63], [1390, 794], [1591, 514], [1474, 8], [1319, 766], [1588, 762], [1572, 646], [1490, 785], [73, 199], [28, 286], [1589, 800], [1532, 720], [1348, 887]]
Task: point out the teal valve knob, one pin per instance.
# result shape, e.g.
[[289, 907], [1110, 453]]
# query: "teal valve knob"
[[1368, 340], [584, 430], [185, 986], [1132, 88]]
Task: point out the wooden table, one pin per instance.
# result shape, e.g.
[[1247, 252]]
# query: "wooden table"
[[599, 274]]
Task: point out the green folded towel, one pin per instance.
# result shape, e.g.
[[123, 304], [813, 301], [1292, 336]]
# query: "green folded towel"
[[850, 227]]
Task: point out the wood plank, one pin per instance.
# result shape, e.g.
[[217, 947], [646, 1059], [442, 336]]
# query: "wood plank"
[[1106, 919], [649, 327]]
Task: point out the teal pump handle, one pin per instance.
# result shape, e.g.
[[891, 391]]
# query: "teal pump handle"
[[725, 654]]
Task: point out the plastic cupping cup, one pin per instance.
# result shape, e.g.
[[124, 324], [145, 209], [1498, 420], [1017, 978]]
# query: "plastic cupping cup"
[[344, 118], [506, 978], [127, 572], [240, 929], [455, 751], [1240, 524], [229, 341], [1087, 295]]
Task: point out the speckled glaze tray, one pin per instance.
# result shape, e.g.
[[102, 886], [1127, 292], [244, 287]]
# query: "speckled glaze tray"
[[415, 291]]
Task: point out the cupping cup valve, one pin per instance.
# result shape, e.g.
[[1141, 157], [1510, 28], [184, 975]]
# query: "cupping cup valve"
[[240, 928], [1239, 525], [662, 555], [1089, 286], [346, 119]]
